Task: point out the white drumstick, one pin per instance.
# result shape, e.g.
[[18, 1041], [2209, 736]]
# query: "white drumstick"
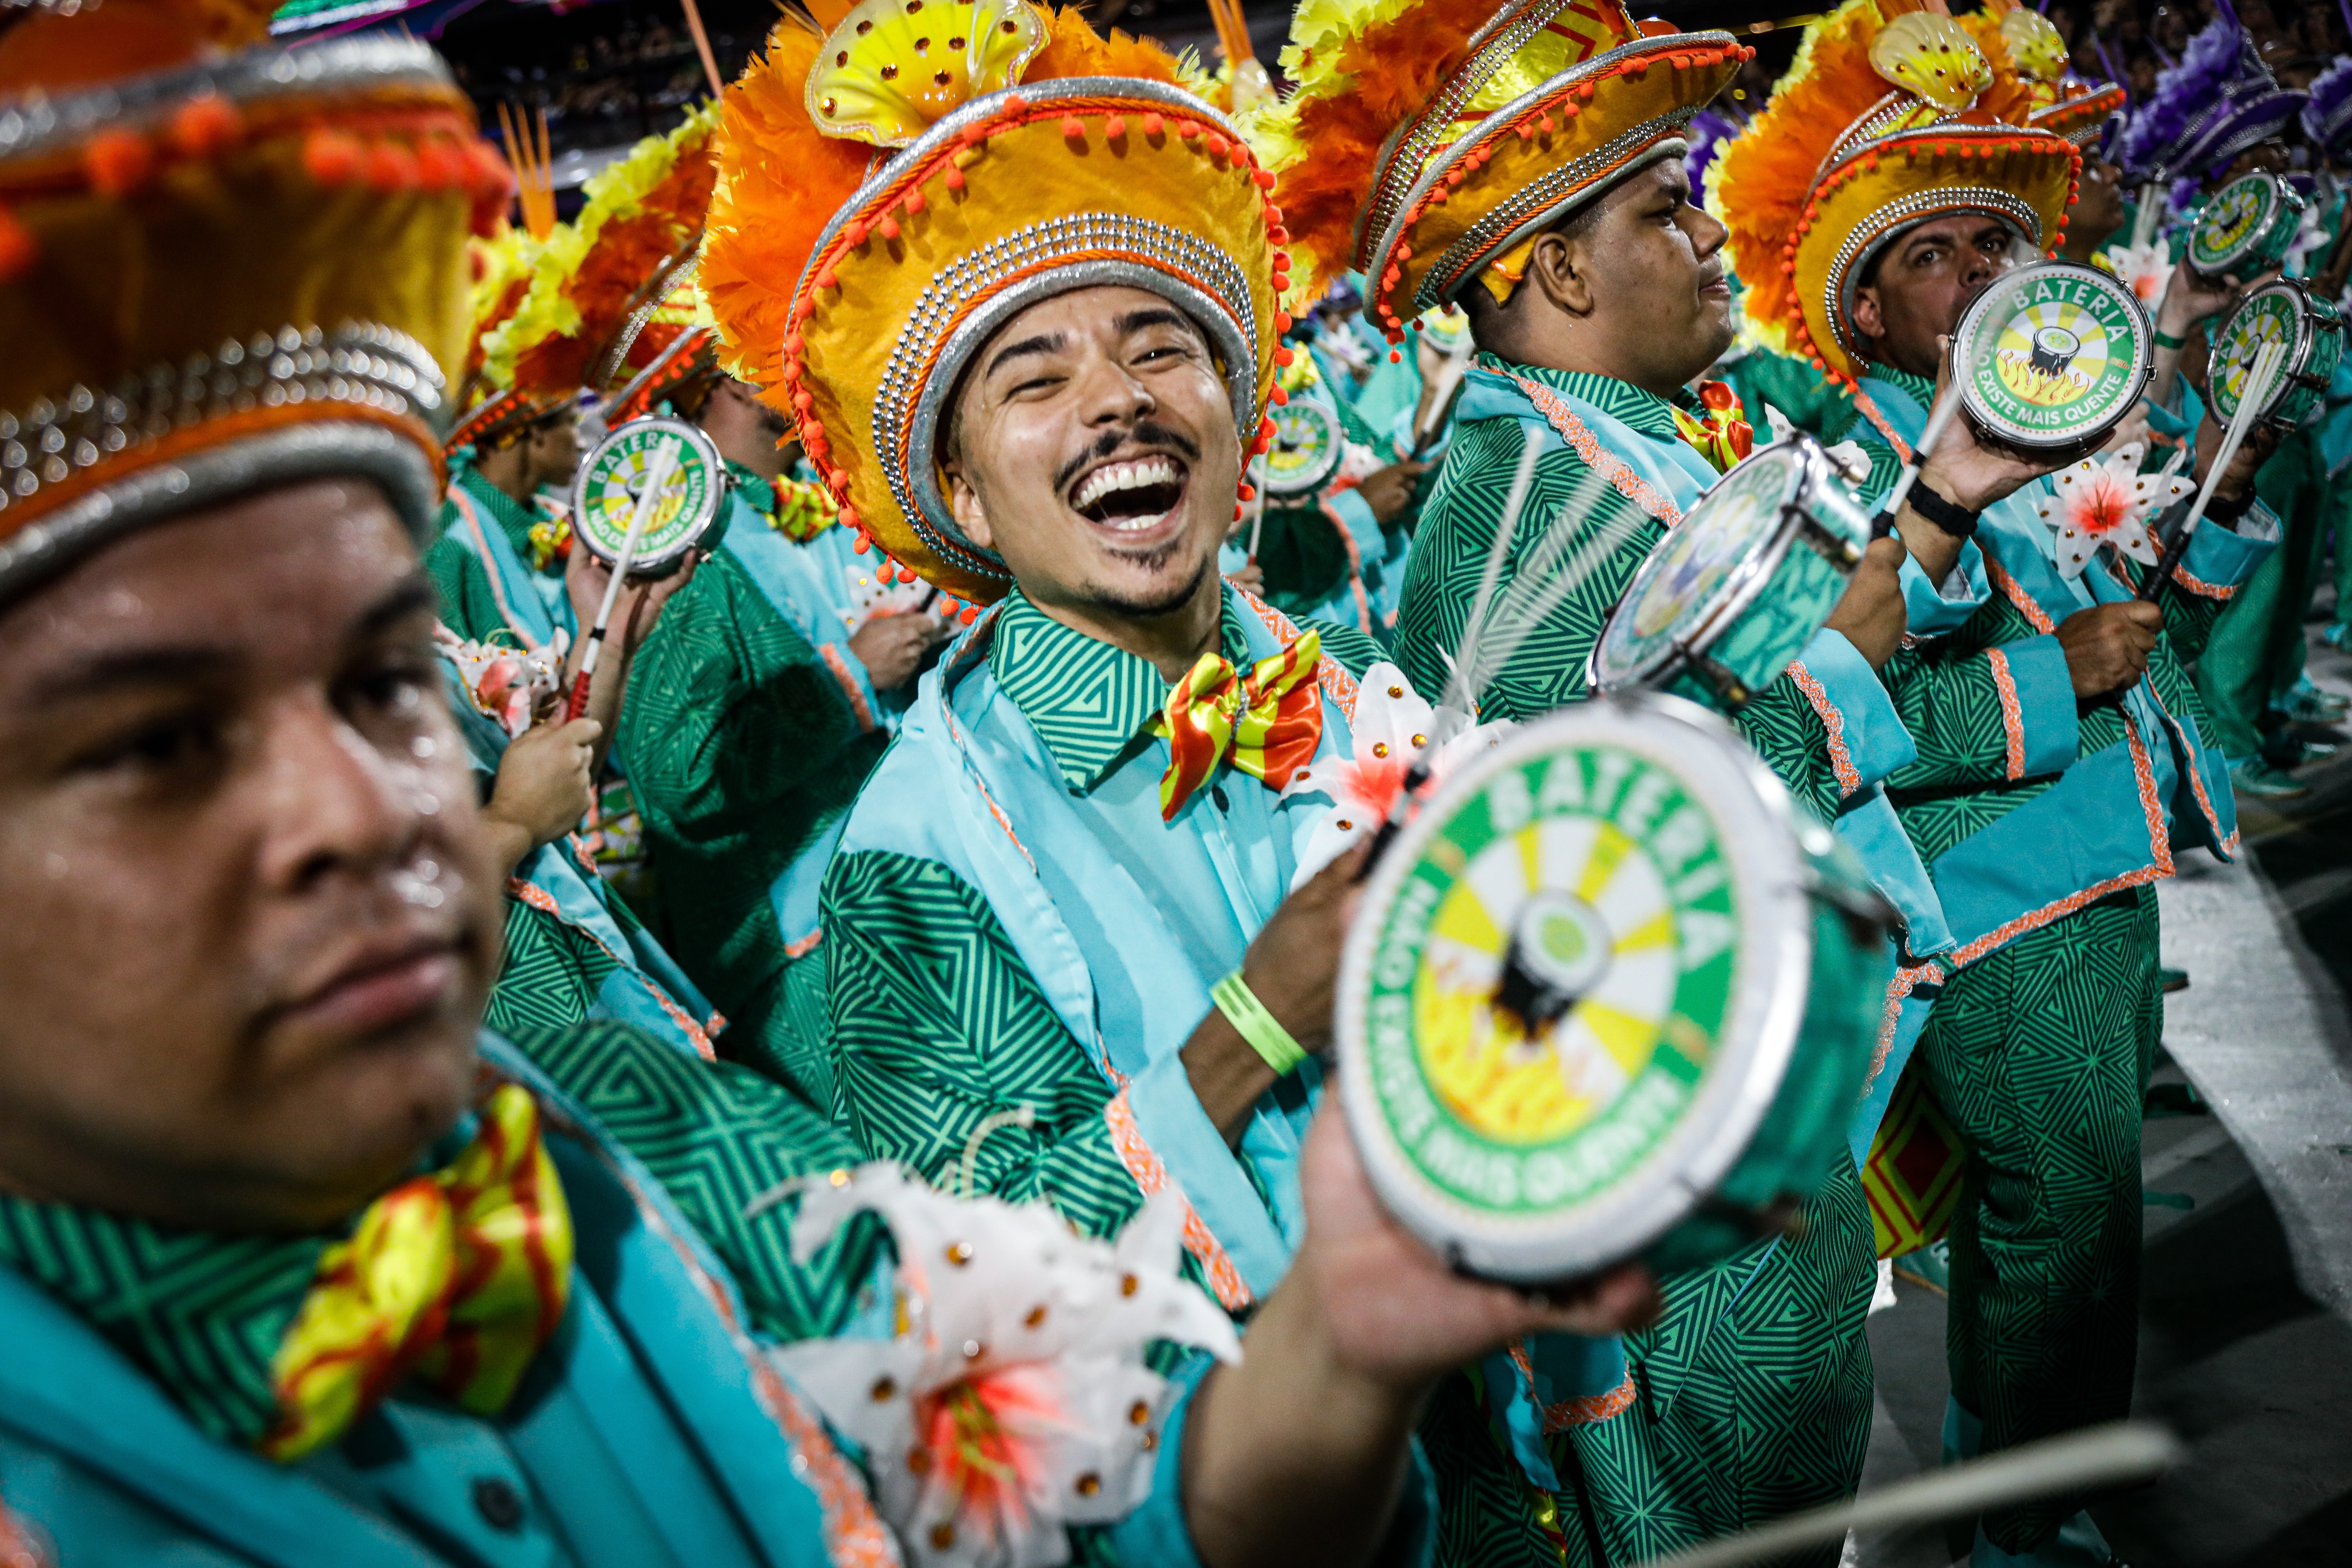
[[665, 463], [1938, 418], [2123, 1454], [2261, 377]]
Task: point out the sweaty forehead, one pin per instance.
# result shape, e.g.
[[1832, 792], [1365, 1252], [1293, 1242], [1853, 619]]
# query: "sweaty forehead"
[[279, 576]]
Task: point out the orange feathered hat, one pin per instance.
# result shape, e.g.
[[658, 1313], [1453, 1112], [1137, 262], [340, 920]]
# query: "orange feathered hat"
[[890, 194], [1428, 143], [2024, 44], [1890, 116], [221, 267]]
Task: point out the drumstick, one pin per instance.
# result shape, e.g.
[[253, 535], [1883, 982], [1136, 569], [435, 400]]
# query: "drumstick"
[[665, 463], [1938, 418], [2260, 376], [2123, 1454], [1455, 697], [1447, 381]]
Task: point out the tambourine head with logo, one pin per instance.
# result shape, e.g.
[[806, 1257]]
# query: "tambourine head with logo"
[[2287, 311], [1739, 587], [2246, 228], [1610, 995], [2050, 357], [688, 513], [1305, 449]]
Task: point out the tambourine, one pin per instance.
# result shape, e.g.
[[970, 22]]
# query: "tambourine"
[[688, 514], [1739, 587], [2282, 311], [1305, 448], [2051, 358], [2246, 228], [1610, 995]]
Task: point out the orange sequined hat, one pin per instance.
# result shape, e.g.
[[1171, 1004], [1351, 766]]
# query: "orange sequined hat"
[[222, 266], [1890, 116], [891, 195], [1429, 143]]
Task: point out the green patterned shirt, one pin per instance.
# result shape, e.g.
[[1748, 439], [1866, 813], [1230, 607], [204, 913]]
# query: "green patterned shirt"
[[937, 1025], [742, 748], [470, 607], [1547, 671]]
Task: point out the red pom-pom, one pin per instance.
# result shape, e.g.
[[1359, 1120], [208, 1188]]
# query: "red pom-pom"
[[1153, 125], [1264, 178], [1395, 358], [1074, 128], [204, 126], [439, 165], [1282, 282], [1240, 511], [18, 249], [1282, 356], [1114, 126], [889, 227], [331, 157], [853, 233], [861, 545], [119, 162], [954, 178], [914, 203], [971, 613], [1279, 396], [390, 166], [1248, 492], [1187, 130]]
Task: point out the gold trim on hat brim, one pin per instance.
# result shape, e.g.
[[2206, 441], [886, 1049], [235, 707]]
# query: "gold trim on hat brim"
[[1627, 108]]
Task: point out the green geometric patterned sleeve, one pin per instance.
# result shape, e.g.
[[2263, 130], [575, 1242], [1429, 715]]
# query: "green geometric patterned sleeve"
[[717, 1137], [1982, 704], [1787, 730], [937, 1026], [1458, 527], [729, 708], [468, 605]]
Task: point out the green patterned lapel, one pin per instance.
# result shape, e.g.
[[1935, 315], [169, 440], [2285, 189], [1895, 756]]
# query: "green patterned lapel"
[[514, 520], [203, 1313], [1087, 700]]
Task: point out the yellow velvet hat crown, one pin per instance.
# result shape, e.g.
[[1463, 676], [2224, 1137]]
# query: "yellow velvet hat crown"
[[236, 267], [1891, 116], [852, 282], [1427, 144]]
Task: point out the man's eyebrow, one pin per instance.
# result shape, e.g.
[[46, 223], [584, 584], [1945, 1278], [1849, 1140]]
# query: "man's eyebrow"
[[1134, 321], [1043, 343], [410, 595], [156, 665]]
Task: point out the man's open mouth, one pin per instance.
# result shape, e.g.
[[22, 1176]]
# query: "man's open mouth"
[[1132, 494]]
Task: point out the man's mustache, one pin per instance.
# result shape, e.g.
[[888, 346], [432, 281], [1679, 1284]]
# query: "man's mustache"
[[1147, 433]]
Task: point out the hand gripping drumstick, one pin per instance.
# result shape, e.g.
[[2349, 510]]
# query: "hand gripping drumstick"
[[658, 476], [2260, 377], [2116, 1455]]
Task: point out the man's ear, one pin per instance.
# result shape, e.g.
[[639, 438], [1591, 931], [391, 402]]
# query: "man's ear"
[[964, 505], [1869, 321], [1557, 267]]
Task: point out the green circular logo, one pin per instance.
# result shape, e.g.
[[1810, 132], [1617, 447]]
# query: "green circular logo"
[[614, 479], [2235, 224], [2052, 353], [1593, 874], [1683, 576], [1305, 447]]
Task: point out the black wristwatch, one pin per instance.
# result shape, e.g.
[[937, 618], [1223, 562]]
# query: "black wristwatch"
[[1948, 515], [2221, 509]]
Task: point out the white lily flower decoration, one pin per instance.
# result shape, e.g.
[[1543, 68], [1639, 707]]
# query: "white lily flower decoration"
[[1392, 726], [505, 684], [2105, 500], [2146, 268], [1013, 1400]]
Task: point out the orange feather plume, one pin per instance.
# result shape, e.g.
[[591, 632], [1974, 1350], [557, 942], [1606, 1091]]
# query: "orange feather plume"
[[1346, 107], [1764, 179], [627, 252], [1072, 48], [779, 183]]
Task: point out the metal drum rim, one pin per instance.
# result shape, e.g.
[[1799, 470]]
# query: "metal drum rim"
[[1757, 1052], [704, 448], [2287, 207], [2307, 312], [1739, 591], [2143, 356], [1338, 452]]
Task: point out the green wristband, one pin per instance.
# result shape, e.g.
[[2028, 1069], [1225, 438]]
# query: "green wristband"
[[2164, 340], [1249, 1018]]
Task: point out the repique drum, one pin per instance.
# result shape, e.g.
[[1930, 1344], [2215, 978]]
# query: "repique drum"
[[1735, 592], [1306, 445], [1608, 997], [2051, 358], [2246, 228], [2283, 311], [687, 515]]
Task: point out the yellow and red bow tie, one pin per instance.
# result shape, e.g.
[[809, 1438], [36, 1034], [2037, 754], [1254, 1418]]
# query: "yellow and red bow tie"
[[458, 1276], [1266, 722], [1719, 433]]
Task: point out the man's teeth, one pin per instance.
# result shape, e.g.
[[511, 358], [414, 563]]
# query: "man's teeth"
[[1132, 476]]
